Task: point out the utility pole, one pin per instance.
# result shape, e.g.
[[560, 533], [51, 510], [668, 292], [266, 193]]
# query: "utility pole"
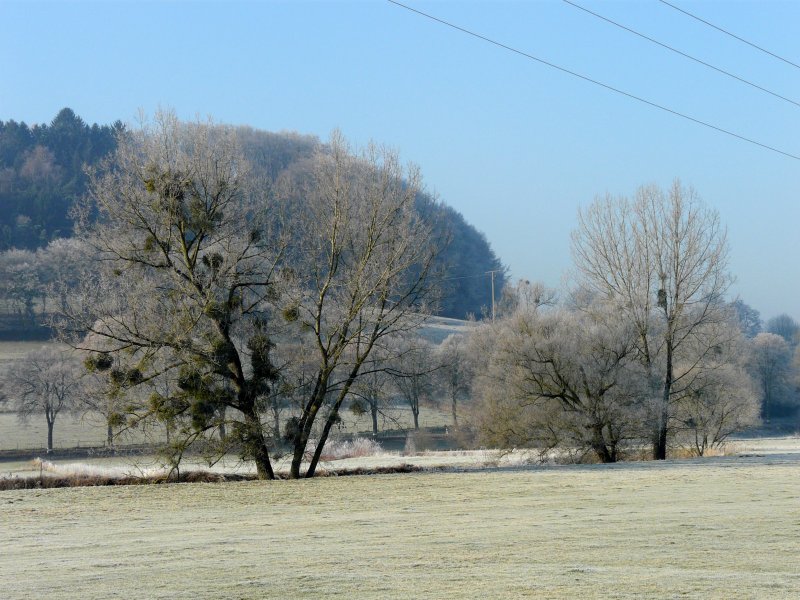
[[492, 274]]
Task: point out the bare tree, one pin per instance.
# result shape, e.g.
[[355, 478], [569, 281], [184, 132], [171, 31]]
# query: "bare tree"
[[412, 370], [361, 258], [186, 269], [371, 393], [454, 372], [563, 378], [663, 258], [770, 365], [721, 402], [749, 318], [45, 382], [714, 396], [786, 327]]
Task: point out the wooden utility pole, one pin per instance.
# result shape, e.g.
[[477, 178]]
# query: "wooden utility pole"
[[492, 274]]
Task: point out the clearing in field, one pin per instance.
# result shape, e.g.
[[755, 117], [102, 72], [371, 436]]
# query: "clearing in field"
[[713, 528]]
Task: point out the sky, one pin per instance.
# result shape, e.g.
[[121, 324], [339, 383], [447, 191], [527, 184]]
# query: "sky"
[[516, 146]]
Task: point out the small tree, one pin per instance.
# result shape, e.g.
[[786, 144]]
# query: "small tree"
[[453, 377], [771, 367], [45, 382], [720, 402], [105, 392], [371, 393], [412, 370], [786, 327]]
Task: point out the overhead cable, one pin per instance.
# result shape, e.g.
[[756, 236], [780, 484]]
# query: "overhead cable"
[[676, 51], [733, 35], [594, 81]]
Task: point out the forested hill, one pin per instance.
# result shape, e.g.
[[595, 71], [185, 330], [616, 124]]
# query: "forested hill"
[[42, 175]]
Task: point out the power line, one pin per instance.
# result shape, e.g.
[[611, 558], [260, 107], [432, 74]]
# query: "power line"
[[733, 35], [594, 81], [462, 277], [684, 54]]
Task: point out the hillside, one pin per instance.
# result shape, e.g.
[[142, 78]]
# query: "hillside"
[[42, 176]]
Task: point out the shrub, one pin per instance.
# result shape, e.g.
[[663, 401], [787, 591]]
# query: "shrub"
[[356, 448]]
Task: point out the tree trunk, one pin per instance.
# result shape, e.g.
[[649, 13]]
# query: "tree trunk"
[[373, 408], [455, 415], [606, 452], [306, 423], [332, 418], [222, 428], [50, 424], [276, 420], [257, 445], [660, 435], [415, 412], [603, 454], [109, 435], [312, 466]]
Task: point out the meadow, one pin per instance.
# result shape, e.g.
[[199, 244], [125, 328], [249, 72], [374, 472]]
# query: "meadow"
[[86, 429], [725, 527]]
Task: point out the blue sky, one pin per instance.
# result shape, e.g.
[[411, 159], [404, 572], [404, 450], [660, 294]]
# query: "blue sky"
[[516, 146]]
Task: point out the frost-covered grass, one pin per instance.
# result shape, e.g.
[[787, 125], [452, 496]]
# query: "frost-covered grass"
[[717, 528], [71, 431], [361, 454], [86, 430], [364, 455], [13, 350]]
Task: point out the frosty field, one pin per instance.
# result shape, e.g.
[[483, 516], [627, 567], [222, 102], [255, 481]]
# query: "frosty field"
[[713, 528]]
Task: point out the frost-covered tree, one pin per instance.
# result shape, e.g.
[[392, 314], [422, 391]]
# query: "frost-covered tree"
[[359, 267], [560, 378], [662, 257], [771, 367], [46, 382], [715, 395], [786, 327], [185, 269], [454, 374], [20, 283], [749, 318]]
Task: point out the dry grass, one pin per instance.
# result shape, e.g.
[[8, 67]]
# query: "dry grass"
[[717, 528], [356, 448]]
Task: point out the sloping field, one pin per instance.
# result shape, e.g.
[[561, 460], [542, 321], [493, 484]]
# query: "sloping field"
[[715, 528]]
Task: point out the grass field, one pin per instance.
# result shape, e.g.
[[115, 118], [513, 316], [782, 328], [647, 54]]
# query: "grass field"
[[88, 430], [10, 351], [82, 430], [713, 528]]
